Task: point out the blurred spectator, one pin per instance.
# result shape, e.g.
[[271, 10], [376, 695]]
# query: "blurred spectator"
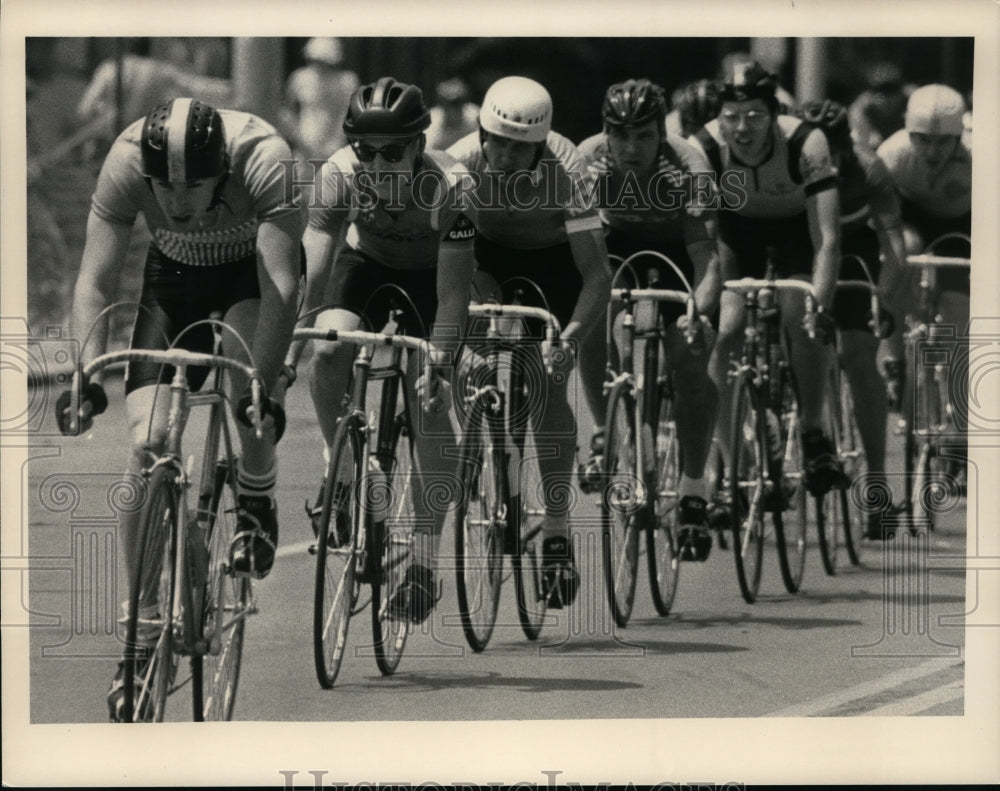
[[786, 102], [694, 105], [146, 82], [453, 117], [878, 110], [316, 99]]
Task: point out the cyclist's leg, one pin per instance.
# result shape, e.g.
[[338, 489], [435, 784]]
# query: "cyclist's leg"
[[732, 320]]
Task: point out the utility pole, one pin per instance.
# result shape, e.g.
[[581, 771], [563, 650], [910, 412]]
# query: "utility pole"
[[259, 76]]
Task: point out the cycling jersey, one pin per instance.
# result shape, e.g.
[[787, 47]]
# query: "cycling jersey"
[[797, 167], [403, 237], [253, 192], [654, 213], [531, 210], [945, 193]]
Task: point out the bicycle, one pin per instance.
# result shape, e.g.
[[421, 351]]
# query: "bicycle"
[[928, 415], [367, 512], [836, 509], [766, 474], [641, 465], [203, 604], [501, 483]]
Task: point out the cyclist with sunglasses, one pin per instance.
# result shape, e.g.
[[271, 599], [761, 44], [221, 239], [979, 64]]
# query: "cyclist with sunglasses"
[[210, 185], [651, 201], [778, 193], [870, 228], [536, 217], [387, 211]]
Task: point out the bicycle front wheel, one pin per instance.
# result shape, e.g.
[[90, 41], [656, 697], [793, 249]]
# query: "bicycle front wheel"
[[337, 550], [791, 523], [216, 674], [623, 504], [746, 488], [480, 521], [390, 546], [661, 537], [151, 661], [856, 467]]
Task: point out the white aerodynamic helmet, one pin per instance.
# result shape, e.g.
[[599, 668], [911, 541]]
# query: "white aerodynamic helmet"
[[935, 110], [324, 50], [517, 108]]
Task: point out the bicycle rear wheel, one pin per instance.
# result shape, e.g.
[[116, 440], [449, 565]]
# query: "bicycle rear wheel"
[[338, 545], [790, 525], [623, 504], [151, 661], [480, 521], [856, 466], [225, 609], [746, 488], [662, 555], [390, 547]]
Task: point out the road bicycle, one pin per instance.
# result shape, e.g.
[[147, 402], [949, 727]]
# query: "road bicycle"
[[182, 559], [840, 511], [766, 474], [501, 507], [928, 413], [368, 511], [641, 461]]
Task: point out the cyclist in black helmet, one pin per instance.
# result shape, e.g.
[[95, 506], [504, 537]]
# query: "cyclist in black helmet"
[[210, 186], [871, 228], [388, 210], [673, 216]]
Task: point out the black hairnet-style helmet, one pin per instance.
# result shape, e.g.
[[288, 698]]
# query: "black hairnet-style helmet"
[[386, 108], [634, 102], [698, 103], [831, 117], [748, 80], [183, 140]]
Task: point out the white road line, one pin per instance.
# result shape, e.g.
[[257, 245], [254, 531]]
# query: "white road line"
[[825, 703], [918, 703]]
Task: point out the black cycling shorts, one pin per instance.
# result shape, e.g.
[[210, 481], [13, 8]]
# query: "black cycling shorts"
[[750, 237], [356, 285], [623, 245], [552, 269], [853, 309], [949, 278], [175, 295]]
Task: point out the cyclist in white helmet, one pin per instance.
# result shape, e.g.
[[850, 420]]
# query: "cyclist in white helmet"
[[536, 217], [930, 164]]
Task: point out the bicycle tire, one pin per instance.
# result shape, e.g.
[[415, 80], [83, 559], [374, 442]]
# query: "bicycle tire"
[[479, 528], [746, 488], [527, 504], [662, 553], [791, 525], [856, 466], [336, 587], [390, 547], [623, 503], [227, 602], [147, 685], [923, 414]]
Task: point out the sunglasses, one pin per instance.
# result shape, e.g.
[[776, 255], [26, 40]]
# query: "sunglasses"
[[391, 153]]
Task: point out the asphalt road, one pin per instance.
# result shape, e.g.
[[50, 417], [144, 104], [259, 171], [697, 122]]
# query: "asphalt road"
[[885, 638]]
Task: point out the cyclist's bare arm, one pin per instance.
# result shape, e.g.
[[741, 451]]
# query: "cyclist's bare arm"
[[98, 283], [278, 267], [454, 286], [591, 256], [703, 248], [321, 250], [823, 211], [888, 224]]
